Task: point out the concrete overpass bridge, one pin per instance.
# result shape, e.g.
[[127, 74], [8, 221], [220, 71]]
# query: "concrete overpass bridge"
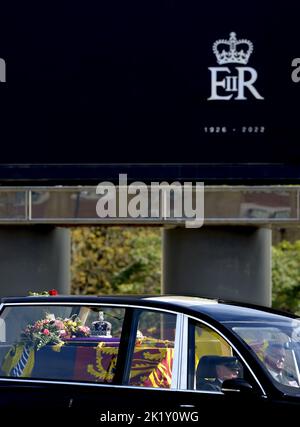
[[229, 257]]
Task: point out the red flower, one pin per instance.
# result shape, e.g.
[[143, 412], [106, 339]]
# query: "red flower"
[[53, 292]]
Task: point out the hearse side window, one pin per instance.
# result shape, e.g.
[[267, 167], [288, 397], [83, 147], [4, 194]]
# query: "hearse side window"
[[211, 359], [152, 360], [73, 343], [276, 348]]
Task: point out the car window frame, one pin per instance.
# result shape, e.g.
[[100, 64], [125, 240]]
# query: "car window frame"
[[116, 380], [180, 363], [124, 354], [132, 340], [234, 347]]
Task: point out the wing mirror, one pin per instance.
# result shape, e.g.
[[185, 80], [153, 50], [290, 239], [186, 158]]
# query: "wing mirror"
[[238, 385]]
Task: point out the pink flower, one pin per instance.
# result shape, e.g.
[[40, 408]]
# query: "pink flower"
[[59, 324], [63, 333], [83, 331], [46, 332]]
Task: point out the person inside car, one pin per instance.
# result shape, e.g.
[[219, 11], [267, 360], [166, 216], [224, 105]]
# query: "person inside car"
[[213, 370], [275, 361]]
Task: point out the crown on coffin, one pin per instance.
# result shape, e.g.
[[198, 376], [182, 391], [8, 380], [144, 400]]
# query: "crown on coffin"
[[232, 50], [101, 327]]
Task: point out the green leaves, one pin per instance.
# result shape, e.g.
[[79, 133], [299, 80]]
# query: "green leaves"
[[286, 276], [116, 260]]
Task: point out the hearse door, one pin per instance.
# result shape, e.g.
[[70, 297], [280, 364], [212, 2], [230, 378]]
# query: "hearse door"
[[207, 360], [143, 376]]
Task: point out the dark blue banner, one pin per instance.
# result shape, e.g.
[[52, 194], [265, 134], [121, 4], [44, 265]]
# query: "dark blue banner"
[[149, 82]]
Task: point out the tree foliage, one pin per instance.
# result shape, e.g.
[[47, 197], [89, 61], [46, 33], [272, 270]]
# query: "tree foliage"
[[116, 260], [286, 276]]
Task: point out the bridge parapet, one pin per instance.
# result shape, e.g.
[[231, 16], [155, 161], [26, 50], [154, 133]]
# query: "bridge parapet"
[[223, 205]]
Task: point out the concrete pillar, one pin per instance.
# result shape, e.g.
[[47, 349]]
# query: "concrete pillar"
[[34, 258], [233, 263]]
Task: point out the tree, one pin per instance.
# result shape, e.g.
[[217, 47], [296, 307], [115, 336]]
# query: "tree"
[[110, 260], [286, 276]]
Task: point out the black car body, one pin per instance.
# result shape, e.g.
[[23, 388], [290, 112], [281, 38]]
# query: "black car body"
[[145, 359]]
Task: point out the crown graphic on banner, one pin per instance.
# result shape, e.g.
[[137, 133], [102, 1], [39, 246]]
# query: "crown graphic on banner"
[[232, 50]]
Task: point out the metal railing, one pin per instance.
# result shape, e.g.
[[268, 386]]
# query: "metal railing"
[[73, 205]]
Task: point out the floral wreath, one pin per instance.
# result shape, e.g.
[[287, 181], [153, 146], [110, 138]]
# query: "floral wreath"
[[51, 292], [51, 330]]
